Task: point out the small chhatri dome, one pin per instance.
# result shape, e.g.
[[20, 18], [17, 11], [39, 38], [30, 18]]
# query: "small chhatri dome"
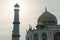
[[47, 19], [16, 5]]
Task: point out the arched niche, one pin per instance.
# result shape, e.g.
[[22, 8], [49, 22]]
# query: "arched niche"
[[57, 36], [44, 36], [35, 36], [27, 38]]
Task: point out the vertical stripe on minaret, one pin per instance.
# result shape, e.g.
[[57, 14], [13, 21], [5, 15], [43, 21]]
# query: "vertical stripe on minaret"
[[15, 32]]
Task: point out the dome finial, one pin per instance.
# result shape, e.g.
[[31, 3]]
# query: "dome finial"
[[45, 9], [45, 5]]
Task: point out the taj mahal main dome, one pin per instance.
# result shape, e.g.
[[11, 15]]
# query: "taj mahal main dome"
[[47, 19]]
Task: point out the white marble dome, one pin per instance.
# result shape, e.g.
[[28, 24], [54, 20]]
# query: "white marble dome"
[[47, 19]]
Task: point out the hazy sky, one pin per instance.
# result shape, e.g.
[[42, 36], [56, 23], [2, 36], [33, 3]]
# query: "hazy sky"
[[30, 10]]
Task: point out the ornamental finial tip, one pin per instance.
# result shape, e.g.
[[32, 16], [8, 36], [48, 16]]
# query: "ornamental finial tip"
[[45, 9]]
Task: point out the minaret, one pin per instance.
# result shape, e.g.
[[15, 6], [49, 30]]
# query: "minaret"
[[15, 32]]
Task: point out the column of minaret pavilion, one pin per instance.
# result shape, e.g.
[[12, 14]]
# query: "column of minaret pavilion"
[[15, 32]]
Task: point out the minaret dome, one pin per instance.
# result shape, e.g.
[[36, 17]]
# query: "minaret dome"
[[16, 5]]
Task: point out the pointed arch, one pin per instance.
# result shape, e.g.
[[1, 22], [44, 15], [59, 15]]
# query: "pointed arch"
[[35, 36], [44, 36], [57, 36]]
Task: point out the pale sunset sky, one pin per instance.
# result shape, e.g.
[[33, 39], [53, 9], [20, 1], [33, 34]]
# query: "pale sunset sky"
[[30, 10]]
